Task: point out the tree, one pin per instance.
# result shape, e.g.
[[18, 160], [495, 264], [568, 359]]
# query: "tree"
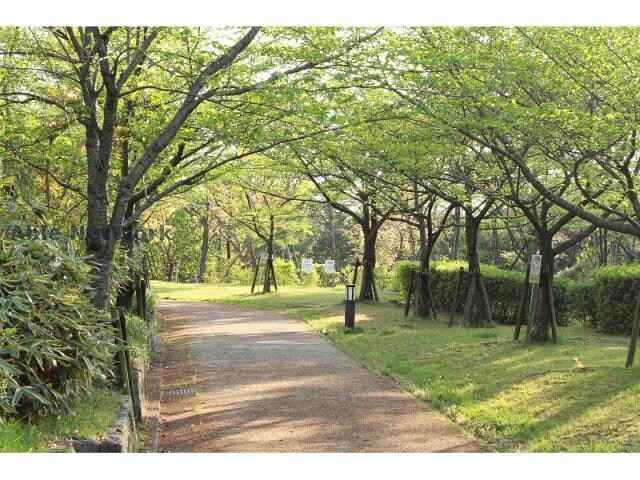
[[261, 201], [98, 70]]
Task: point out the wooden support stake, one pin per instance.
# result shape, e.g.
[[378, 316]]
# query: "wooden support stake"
[[409, 292], [127, 357], [416, 294], [143, 288], [433, 304], [355, 272], [634, 335], [523, 304], [120, 355], [554, 319], [266, 282], [485, 298], [470, 294], [255, 277], [532, 310], [139, 306], [373, 285], [454, 303], [273, 275]]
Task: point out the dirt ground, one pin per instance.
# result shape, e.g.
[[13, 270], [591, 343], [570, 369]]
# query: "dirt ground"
[[267, 383]]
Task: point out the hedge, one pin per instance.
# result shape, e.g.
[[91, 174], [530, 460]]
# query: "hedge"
[[606, 301], [504, 288]]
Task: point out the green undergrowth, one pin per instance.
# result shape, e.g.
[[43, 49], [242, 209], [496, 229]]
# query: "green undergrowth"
[[89, 418]]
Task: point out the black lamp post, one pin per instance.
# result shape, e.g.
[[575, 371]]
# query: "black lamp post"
[[350, 306]]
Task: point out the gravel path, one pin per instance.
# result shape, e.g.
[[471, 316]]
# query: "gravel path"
[[267, 383]]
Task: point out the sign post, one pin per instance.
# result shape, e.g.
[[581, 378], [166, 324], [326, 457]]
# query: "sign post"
[[536, 264], [329, 267], [306, 265]]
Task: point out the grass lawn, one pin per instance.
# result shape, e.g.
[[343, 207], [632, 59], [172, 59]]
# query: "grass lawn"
[[572, 396], [89, 418]]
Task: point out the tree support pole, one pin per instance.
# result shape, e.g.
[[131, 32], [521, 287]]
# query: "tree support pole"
[[273, 275], [139, 299], [266, 284], [125, 343], [523, 303], [532, 310], [373, 284], [416, 293], [634, 335], [485, 298], [454, 303], [470, 295], [355, 272], [255, 277], [554, 319], [409, 293], [433, 304]]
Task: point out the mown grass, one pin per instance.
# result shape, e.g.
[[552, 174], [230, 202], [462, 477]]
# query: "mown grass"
[[89, 418], [571, 396]]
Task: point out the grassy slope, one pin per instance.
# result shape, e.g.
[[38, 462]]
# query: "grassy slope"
[[89, 418], [573, 396]]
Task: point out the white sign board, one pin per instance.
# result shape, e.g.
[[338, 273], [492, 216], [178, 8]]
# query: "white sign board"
[[307, 265], [534, 270], [329, 266]]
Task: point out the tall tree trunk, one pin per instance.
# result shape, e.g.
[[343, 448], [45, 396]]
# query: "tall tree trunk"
[[455, 241], [331, 231], [267, 278], [204, 247], [98, 235], [423, 299], [495, 247], [475, 314], [127, 291], [369, 264], [542, 317]]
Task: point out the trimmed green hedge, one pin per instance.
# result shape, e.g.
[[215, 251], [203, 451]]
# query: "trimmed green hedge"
[[606, 301], [504, 288]]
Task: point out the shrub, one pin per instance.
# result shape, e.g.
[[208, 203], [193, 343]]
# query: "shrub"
[[616, 290], [286, 273], [402, 274], [311, 279], [581, 302], [240, 274], [331, 278], [53, 347], [138, 338]]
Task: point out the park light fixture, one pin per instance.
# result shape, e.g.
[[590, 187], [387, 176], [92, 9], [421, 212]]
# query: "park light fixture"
[[350, 306]]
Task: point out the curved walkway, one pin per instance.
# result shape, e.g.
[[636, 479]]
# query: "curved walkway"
[[267, 383]]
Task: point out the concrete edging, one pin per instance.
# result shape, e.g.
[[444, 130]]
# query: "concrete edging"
[[120, 438]]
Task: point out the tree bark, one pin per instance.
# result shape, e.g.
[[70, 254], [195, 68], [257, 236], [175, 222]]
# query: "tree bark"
[[369, 264], [331, 231], [542, 318], [423, 297], [475, 314], [204, 247], [455, 241], [267, 277]]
